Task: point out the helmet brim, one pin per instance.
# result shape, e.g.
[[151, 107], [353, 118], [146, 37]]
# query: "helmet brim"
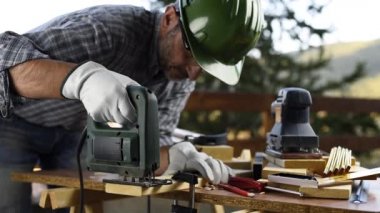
[[220, 38], [229, 74]]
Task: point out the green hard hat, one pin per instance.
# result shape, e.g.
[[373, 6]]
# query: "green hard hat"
[[220, 33]]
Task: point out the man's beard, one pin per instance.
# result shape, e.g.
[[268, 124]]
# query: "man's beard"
[[172, 71]]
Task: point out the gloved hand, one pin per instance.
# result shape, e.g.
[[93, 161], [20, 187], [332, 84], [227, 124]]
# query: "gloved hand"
[[102, 92], [184, 157]]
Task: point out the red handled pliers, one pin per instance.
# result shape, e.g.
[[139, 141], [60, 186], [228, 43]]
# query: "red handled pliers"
[[247, 184]]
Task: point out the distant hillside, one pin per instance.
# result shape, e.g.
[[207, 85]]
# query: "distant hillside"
[[344, 57]]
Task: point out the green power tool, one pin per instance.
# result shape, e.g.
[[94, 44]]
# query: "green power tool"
[[133, 152]]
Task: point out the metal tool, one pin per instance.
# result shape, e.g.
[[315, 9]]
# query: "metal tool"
[[257, 166], [200, 139], [192, 179], [132, 152], [252, 185], [292, 135], [361, 193], [236, 190], [247, 184]]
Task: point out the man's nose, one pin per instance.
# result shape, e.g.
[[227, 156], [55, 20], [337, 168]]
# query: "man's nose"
[[193, 71]]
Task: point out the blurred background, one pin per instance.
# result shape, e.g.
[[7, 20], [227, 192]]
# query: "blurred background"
[[327, 47]]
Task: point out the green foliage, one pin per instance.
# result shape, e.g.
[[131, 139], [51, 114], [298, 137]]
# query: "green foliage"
[[348, 123]]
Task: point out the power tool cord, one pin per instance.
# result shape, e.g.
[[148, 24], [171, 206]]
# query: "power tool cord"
[[81, 185]]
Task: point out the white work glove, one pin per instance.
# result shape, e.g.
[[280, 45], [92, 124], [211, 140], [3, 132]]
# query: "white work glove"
[[184, 157], [102, 92]]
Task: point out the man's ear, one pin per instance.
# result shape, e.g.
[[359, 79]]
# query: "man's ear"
[[170, 19]]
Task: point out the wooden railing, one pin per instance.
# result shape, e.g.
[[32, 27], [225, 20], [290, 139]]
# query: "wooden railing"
[[249, 102]]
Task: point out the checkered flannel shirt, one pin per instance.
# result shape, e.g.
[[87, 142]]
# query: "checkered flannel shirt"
[[120, 37]]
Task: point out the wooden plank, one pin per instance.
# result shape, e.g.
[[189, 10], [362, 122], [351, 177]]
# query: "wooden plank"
[[221, 152], [93, 181], [344, 105], [67, 197], [276, 201], [355, 143], [364, 174], [247, 211], [273, 170], [236, 164], [143, 191], [93, 208], [333, 192], [218, 209], [369, 174], [242, 102], [280, 202], [68, 178], [313, 165], [256, 144]]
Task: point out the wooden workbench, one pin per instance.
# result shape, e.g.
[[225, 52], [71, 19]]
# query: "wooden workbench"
[[269, 201]]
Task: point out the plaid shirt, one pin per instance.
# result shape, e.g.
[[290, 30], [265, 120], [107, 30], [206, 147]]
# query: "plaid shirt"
[[122, 38]]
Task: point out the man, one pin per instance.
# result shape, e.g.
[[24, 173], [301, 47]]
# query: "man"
[[80, 63]]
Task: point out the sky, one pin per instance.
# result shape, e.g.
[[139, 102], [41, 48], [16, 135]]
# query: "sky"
[[352, 20]]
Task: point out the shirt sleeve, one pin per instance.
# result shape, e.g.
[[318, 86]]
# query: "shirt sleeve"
[[14, 49], [71, 40], [170, 108]]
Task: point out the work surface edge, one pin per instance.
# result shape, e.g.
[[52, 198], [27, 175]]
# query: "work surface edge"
[[269, 201]]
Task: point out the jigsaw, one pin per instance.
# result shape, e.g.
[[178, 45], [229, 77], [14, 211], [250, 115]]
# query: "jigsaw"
[[132, 152], [292, 135]]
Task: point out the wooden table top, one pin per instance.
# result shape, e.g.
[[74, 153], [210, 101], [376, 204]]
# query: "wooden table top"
[[269, 201]]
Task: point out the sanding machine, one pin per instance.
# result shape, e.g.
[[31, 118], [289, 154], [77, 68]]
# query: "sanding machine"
[[292, 135]]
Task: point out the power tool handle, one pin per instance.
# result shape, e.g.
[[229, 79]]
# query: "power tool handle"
[[146, 106]]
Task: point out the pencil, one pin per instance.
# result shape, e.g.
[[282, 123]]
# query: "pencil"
[[335, 167], [342, 164], [329, 162], [349, 156], [333, 162]]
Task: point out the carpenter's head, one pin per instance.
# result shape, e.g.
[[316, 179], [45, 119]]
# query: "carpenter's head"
[[212, 35]]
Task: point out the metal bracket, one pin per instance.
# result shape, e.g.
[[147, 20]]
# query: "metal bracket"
[[144, 182], [192, 179]]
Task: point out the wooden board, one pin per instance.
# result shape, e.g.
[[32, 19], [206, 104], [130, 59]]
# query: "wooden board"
[[332, 192], [142, 191], [67, 197], [369, 174], [221, 152], [93, 181], [238, 164], [272, 201], [68, 178], [313, 165], [284, 186], [273, 170], [269, 201]]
